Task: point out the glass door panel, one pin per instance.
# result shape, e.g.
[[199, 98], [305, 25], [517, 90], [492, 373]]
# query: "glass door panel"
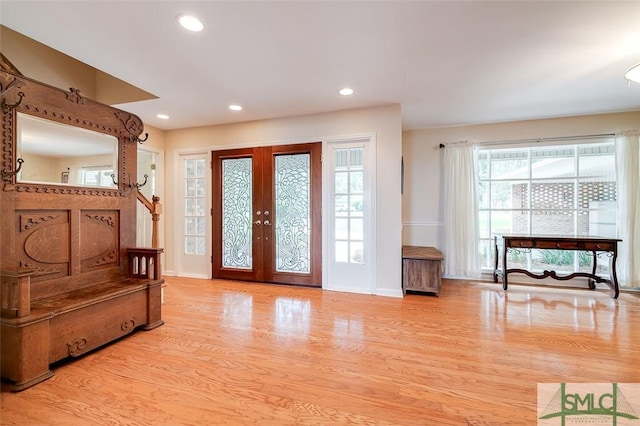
[[293, 213], [266, 214], [237, 235]]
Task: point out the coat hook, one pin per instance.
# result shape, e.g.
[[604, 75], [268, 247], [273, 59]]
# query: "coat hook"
[[137, 139], [7, 107], [140, 185], [6, 176], [113, 178], [5, 89]]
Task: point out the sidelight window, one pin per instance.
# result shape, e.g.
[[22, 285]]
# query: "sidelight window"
[[349, 205], [195, 206]]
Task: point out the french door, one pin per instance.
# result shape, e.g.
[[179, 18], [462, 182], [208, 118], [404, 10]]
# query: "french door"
[[267, 214]]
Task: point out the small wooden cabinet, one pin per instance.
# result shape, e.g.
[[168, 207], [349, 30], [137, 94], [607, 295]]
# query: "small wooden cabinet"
[[421, 269]]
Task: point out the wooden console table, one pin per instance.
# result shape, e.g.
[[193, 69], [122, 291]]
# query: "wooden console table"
[[588, 244]]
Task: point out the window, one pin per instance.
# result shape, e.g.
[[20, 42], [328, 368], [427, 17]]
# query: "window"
[[194, 202], [349, 205], [349, 217], [548, 190], [96, 176]]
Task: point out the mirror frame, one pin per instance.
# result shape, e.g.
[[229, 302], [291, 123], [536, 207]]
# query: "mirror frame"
[[59, 154], [21, 94]]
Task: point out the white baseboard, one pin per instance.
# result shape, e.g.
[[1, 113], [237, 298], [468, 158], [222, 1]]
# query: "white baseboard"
[[366, 290], [388, 292], [357, 290], [200, 276], [173, 274]]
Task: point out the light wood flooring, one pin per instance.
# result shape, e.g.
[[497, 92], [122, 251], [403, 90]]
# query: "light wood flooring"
[[242, 353]]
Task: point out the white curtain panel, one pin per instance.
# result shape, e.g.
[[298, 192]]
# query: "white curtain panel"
[[628, 178], [460, 242]]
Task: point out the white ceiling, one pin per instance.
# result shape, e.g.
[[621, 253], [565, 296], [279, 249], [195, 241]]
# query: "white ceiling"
[[446, 62]]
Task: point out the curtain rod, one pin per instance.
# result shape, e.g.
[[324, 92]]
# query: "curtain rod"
[[539, 140]]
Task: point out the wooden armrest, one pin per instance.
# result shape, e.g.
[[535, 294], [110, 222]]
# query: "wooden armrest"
[[15, 292], [144, 262]]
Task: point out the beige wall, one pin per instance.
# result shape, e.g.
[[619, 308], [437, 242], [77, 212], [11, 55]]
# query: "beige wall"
[[38, 168], [422, 215], [40, 62], [157, 138], [384, 122]]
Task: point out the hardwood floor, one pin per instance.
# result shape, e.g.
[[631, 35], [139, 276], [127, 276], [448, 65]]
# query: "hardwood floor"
[[242, 353]]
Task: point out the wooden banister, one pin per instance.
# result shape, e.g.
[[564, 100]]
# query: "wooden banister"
[[155, 208]]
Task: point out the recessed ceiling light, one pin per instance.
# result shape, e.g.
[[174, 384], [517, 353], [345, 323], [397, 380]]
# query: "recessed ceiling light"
[[235, 107], [190, 23], [346, 91], [163, 116]]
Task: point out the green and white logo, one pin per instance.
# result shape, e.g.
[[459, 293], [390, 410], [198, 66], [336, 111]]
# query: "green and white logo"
[[615, 404]]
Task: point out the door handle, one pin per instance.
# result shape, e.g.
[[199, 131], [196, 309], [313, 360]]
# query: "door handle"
[[266, 222], [257, 222]]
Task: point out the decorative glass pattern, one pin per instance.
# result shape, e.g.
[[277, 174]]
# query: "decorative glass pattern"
[[293, 213], [195, 207], [349, 205], [236, 213]]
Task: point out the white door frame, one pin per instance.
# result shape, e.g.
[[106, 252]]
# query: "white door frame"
[[328, 142], [362, 278], [204, 270]]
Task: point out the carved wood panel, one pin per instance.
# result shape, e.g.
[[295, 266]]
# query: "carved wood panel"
[[99, 239], [43, 242]]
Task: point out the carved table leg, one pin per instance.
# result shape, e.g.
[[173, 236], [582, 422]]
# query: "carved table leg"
[[592, 282], [615, 291], [505, 282], [495, 260]]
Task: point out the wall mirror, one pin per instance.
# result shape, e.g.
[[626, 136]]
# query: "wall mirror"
[[56, 153]]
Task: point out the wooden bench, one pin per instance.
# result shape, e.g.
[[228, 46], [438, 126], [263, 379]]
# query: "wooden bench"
[[71, 276], [37, 333]]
